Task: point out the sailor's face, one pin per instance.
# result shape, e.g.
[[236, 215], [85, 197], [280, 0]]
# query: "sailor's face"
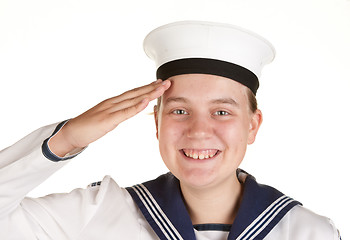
[[204, 125]]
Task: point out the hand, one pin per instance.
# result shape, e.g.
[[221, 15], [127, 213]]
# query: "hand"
[[104, 117]]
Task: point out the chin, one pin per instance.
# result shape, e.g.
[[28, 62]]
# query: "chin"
[[198, 178]]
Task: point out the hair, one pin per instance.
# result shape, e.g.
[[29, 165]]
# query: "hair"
[[253, 104]]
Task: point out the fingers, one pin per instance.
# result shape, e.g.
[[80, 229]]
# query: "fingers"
[[130, 107], [140, 91], [126, 113], [149, 93]]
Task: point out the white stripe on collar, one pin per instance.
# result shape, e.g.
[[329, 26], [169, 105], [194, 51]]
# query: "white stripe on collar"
[[156, 212], [264, 218]]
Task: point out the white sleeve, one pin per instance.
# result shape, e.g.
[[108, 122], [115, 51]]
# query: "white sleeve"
[[302, 224], [80, 214], [22, 167]]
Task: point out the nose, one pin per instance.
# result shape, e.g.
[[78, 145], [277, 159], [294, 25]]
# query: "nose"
[[199, 128]]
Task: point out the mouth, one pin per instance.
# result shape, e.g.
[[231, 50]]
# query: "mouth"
[[200, 154]]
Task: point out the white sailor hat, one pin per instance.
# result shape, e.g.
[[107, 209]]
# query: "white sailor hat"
[[210, 48]]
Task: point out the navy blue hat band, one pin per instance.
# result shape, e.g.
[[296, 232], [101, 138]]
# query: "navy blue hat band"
[[209, 66]]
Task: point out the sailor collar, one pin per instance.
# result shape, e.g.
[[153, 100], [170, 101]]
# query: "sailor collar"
[[162, 205]]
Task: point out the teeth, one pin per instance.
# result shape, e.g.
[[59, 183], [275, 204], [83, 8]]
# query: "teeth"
[[200, 154]]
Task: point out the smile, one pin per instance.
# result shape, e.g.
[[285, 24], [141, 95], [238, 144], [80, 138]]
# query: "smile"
[[200, 154]]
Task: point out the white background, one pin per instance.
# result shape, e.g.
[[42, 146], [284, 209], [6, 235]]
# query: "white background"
[[59, 58]]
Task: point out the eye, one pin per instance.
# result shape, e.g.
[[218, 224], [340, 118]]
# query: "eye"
[[179, 112], [221, 113]]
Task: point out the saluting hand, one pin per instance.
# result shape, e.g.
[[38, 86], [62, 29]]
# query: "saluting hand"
[[104, 117]]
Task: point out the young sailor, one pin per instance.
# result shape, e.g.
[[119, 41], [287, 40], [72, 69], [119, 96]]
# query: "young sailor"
[[205, 117]]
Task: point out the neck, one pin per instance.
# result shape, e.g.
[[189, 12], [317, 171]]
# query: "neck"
[[213, 204]]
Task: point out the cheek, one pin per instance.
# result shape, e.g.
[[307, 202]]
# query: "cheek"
[[167, 131], [169, 134], [233, 134], [235, 147]]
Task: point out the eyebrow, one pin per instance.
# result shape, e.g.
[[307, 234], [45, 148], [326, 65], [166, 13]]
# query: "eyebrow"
[[176, 99], [229, 101]]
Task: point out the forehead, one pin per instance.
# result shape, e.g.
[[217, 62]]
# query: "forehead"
[[201, 87]]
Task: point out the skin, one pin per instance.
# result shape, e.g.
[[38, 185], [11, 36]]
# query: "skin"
[[200, 114]]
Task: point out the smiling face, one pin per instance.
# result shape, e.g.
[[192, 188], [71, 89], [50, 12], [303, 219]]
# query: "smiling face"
[[203, 126]]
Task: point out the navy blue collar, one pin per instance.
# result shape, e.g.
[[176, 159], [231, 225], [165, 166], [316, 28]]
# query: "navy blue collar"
[[162, 204]]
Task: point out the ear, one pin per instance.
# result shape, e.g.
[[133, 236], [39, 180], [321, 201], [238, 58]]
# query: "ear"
[[255, 122], [155, 113]]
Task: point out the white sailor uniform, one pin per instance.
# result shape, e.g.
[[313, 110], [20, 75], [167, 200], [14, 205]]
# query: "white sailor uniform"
[[152, 210]]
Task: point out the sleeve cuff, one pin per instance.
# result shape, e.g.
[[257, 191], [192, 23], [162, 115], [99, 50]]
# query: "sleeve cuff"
[[53, 157]]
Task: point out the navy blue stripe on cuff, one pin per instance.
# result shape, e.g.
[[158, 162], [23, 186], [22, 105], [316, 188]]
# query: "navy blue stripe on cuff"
[[46, 150]]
